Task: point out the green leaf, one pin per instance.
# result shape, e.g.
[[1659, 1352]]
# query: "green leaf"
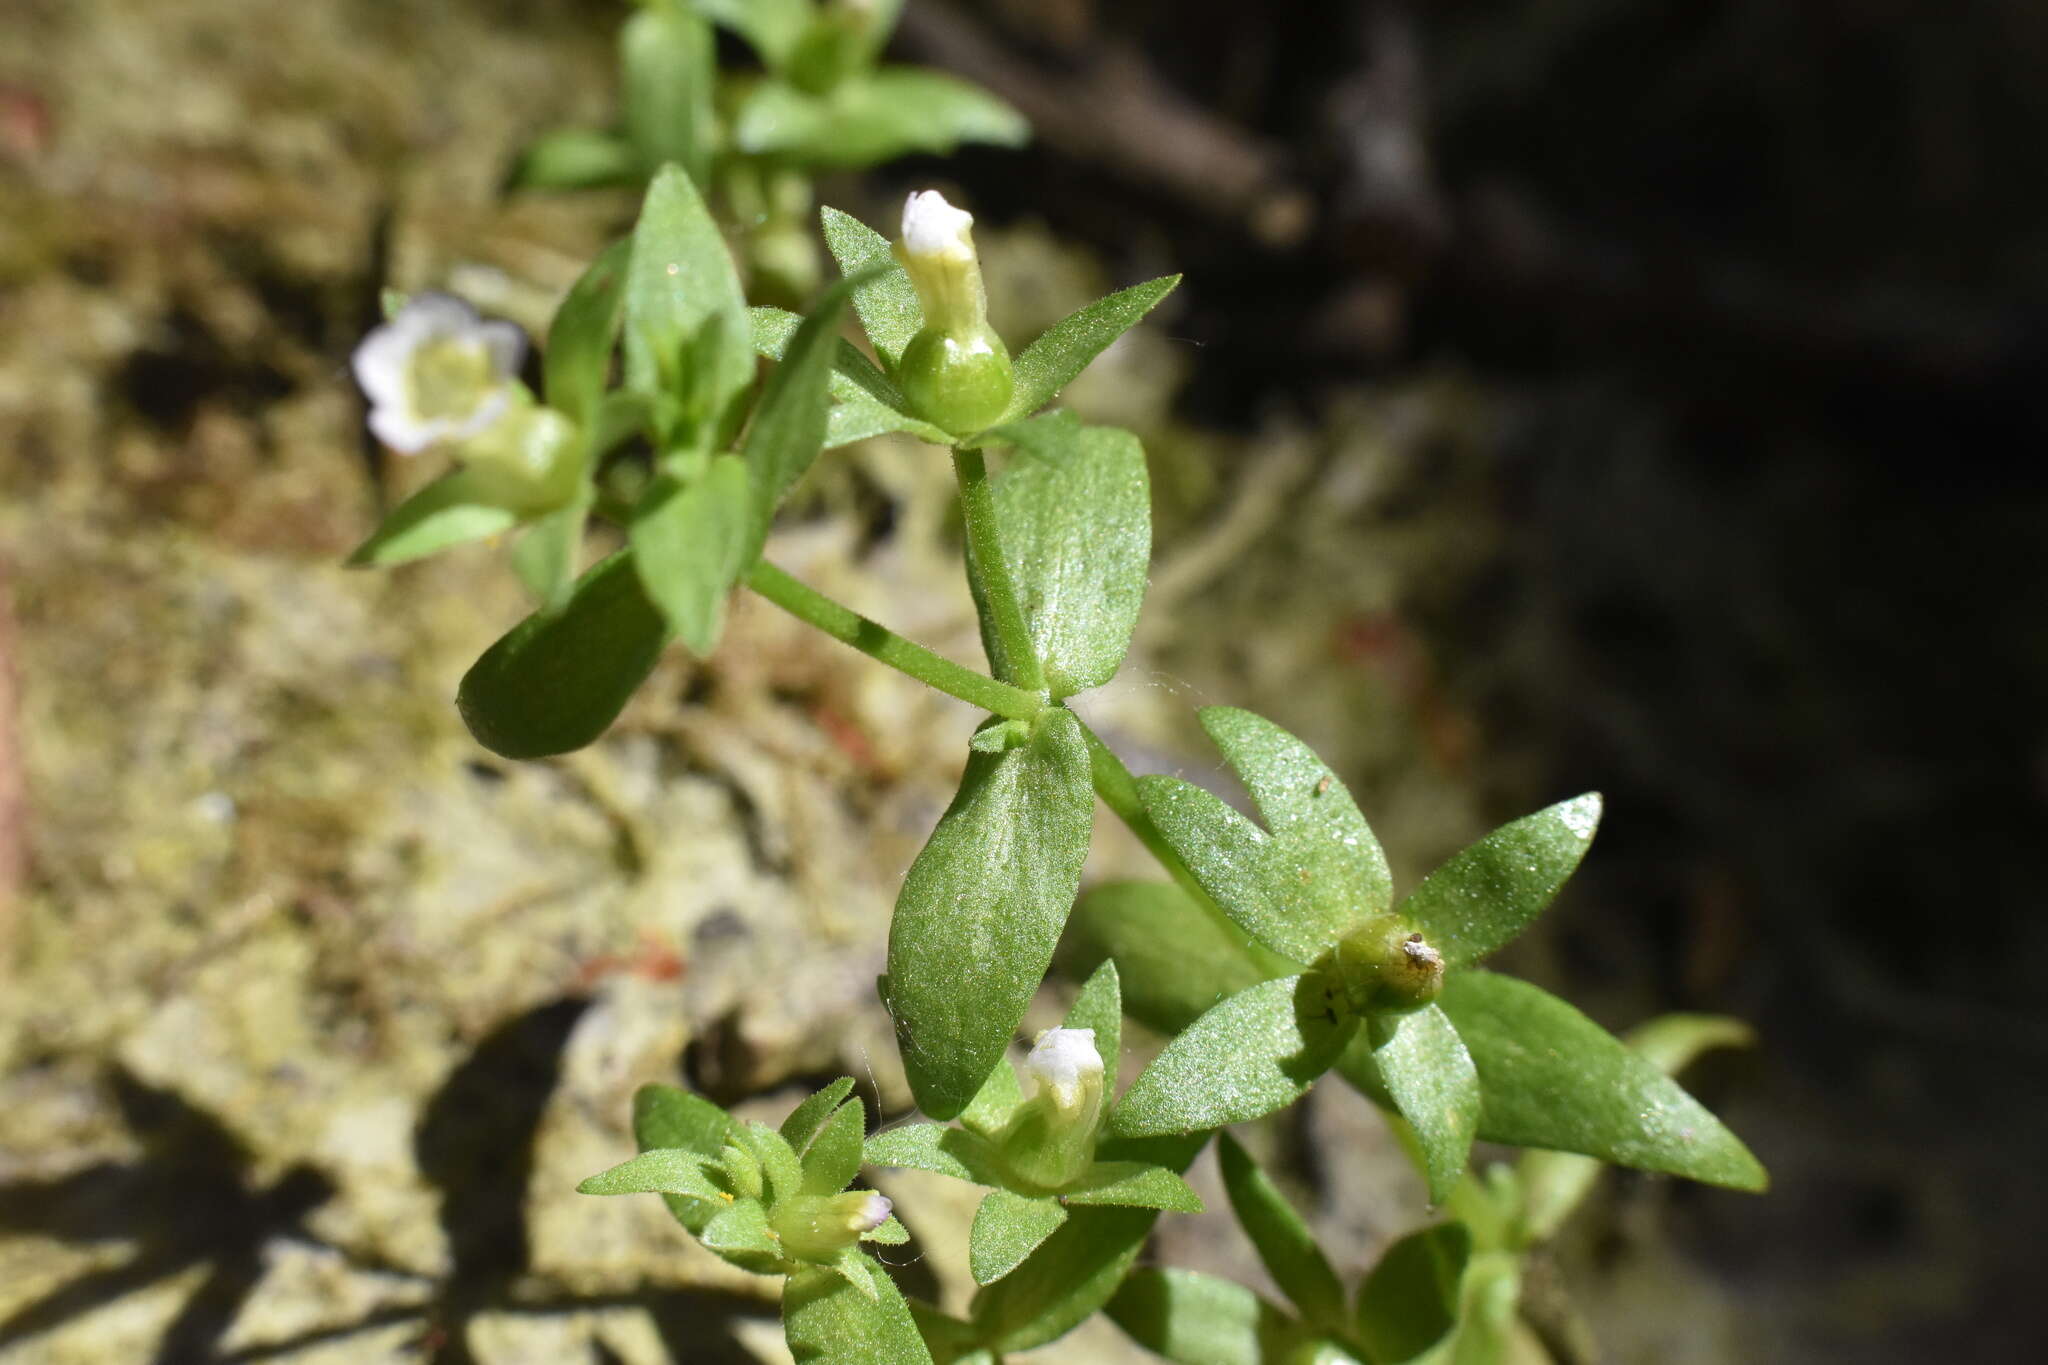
[[1227, 855], [1063, 350], [1099, 1007], [1007, 1228], [1075, 510], [1487, 1297], [1254, 1053], [680, 279], [665, 1117], [887, 303], [667, 75], [1553, 1078], [1196, 1319], [935, 1147], [788, 427], [557, 679], [771, 27], [739, 1233], [1284, 1243], [578, 359], [982, 908], [1133, 1184], [669, 1170], [833, 1159], [546, 556], [891, 1232], [1000, 1094], [575, 159], [687, 541], [865, 403], [1489, 893], [779, 1164], [1431, 1079], [1555, 1183], [449, 511], [827, 1321], [857, 1270], [1174, 959], [1062, 1283], [807, 1118], [1323, 869], [864, 121], [1410, 1300]]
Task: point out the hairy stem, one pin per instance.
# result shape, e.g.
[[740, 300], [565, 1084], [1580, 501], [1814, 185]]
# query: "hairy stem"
[[880, 643], [999, 593]]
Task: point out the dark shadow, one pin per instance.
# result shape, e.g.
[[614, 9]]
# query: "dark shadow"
[[185, 1202]]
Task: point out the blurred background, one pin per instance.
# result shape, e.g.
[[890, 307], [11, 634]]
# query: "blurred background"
[[1568, 395]]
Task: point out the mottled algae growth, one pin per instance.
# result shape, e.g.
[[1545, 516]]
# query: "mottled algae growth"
[[312, 1012]]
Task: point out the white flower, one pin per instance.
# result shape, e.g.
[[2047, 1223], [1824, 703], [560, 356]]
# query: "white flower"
[[934, 230], [437, 372], [874, 1211], [1064, 1066]]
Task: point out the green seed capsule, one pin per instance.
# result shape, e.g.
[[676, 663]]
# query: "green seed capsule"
[[961, 384], [1382, 967]]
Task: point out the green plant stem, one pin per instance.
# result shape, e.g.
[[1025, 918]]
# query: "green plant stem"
[[878, 642], [999, 593]]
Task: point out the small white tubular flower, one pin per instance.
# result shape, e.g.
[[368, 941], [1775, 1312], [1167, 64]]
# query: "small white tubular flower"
[[1064, 1066], [437, 372], [934, 230], [873, 1212]]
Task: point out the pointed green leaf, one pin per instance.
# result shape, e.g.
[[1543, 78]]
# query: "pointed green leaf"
[[1551, 1077], [667, 76], [546, 556], [992, 1105], [887, 304], [854, 1267], [891, 1232], [826, 1321], [779, 1164], [1489, 893], [449, 511], [807, 1118], [1228, 856], [1099, 1007], [1007, 1228], [771, 27], [1324, 871], [578, 359], [1410, 1300], [864, 402], [681, 278], [1284, 1243], [1484, 1331], [739, 1233], [1430, 1078], [670, 1170], [1196, 1319], [1133, 1184], [665, 1117], [935, 1147], [788, 428], [687, 543], [1075, 510], [1554, 1183], [1066, 1280], [1174, 959], [1254, 1053], [1050, 363], [833, 1158], [982, 908], [867, 120], [557, 679], [575, 159]]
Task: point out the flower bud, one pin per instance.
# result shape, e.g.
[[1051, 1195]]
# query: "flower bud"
[[1051, 1139], [818, 1227], [1382, 967], [528, 460], [437, 372], [956, 371]]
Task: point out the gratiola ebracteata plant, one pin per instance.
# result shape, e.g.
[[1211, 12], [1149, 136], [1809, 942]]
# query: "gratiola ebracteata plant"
[[1274, 950]]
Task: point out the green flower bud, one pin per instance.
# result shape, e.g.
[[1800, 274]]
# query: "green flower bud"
[[1050, 1140], [529, 460], [818, 1227], [956, 371], [1382, 967]]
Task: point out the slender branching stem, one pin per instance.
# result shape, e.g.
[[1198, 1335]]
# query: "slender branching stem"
[[880, 643], [984, 541]]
